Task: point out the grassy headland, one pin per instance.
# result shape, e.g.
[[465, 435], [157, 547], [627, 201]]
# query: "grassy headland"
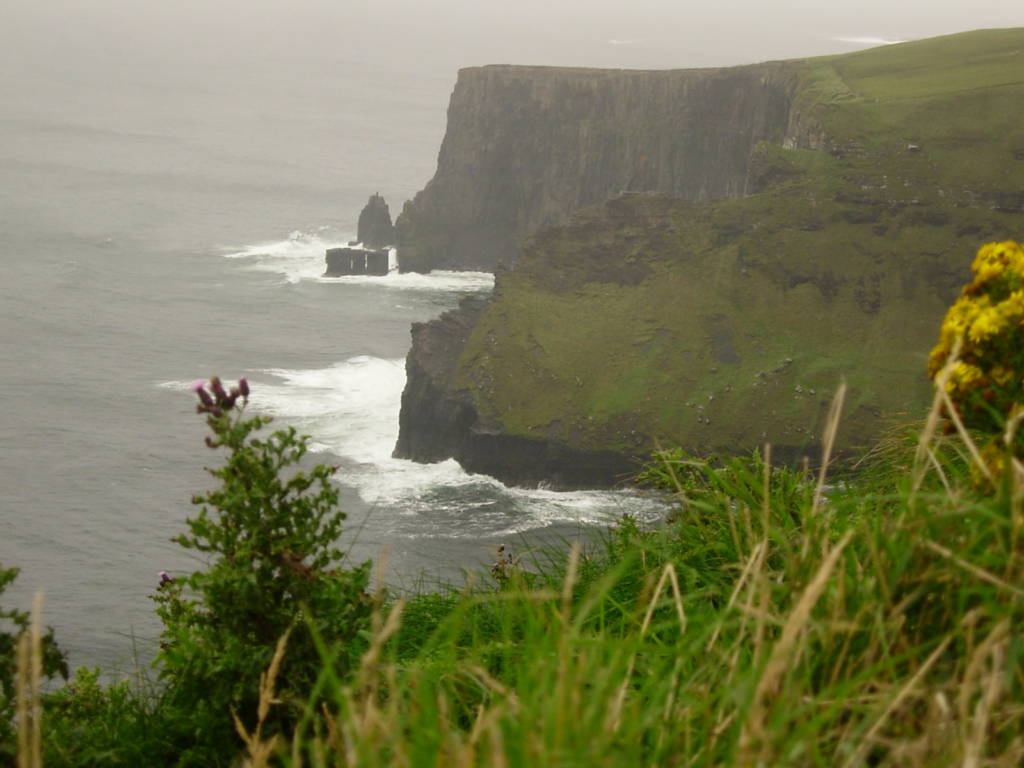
[[720, 326]]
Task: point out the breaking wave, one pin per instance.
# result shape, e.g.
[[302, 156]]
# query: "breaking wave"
[[351, 411], [300, 256]]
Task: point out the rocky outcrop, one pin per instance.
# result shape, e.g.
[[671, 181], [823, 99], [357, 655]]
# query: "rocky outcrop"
[[375, 229], [527, 146], [439, 420]]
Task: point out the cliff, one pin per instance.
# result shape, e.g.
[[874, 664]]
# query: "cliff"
[[527, 146], [719, 325], [439, 419]]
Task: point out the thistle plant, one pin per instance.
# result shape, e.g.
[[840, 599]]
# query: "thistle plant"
[[982, 343], [269, 532]]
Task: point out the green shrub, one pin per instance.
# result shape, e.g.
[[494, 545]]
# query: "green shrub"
[[270, 533], [13, 623], [88, 723]]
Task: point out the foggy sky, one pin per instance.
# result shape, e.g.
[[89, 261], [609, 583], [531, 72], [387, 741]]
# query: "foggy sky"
[[209, 69], [447, 34]]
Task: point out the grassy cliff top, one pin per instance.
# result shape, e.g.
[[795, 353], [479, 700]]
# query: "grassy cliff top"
[[937, 66], [724, 325], [957, 98]]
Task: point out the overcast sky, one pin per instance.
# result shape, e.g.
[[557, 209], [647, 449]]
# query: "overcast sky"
[[453, 33]]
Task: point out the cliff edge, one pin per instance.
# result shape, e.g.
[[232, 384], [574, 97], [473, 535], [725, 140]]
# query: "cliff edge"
[[527, 146]]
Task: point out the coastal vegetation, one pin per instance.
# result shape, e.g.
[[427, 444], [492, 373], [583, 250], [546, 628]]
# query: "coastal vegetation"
[[777, 616], [715, 319]]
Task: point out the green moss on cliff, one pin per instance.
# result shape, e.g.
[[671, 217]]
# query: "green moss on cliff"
[[724, 325]]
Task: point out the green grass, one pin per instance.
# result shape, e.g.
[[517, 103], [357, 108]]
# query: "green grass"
[[757, 626], [936, 66], [612, 358], [775, 617]]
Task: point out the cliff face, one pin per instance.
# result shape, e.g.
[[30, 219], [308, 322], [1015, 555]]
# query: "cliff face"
[[436, 416], [527, 146], [440, 420], [720, 325]]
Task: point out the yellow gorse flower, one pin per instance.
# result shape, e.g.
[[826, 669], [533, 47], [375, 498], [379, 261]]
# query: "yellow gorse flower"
[[995, 259], [963, 375], [991, 305], [1013, 307], [987, 322]]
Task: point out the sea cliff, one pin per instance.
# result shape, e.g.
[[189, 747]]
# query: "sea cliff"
[[719, 316], [527, 146], [439, 419]]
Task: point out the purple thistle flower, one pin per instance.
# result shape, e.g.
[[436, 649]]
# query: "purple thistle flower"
[[204, 397], [165, 579], [243, 387], [218, 390]]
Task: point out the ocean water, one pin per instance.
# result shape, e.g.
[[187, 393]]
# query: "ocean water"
[[160, 224]]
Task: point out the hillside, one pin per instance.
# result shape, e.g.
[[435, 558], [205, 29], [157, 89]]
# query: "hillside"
[[721, 325]]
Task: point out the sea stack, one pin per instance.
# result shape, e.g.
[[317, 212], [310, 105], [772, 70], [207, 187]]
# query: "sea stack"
[[368, 254], [375, 227]]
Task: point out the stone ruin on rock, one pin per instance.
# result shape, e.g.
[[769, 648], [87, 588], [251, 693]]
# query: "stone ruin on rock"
[[356, 261]]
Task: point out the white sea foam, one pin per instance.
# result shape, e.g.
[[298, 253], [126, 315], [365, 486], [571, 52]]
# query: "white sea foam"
[[298, 257], [352, 410], [177, 386], [438, 280], [301, 257]]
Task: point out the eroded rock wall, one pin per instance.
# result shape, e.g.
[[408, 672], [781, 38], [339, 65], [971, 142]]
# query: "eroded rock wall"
[[527, 146], [439, 420]]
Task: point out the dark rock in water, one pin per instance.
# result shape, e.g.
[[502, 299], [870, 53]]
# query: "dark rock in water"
[[375, 227], [439, 421], [356, 261]]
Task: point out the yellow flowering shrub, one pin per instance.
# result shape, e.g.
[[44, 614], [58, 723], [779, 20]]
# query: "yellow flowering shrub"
[[988, 321]]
